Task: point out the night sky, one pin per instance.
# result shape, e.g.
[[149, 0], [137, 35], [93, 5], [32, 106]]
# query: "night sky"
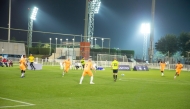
[[119, 20]]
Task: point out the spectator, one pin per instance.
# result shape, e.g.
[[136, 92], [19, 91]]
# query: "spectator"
[[10, 63], [76, 65], [1, 62], [5, 62]]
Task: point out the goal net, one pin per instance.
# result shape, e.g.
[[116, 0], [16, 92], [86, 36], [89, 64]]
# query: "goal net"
[[106, 59]]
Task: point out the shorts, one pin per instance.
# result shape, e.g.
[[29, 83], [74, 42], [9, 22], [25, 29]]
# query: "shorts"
[[89, 72], [115, 70], [66, 69], [22, 67], [178, 71]]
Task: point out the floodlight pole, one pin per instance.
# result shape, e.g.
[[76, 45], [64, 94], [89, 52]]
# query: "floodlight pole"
[[92, 7], [9, 21], [145, 29], [144, 46], [31, 17], [151, 48]]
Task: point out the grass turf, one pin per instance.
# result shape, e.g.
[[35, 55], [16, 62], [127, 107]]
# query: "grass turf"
[[47, 89]]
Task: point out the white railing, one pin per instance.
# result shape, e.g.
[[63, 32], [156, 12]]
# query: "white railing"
[[56, 62]]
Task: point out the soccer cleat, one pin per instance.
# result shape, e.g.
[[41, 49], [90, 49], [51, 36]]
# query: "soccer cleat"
[[92, 83]]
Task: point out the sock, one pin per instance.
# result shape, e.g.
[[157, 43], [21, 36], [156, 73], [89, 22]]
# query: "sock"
[[113, 76], [81, 79], [91, 79], [174, 76], [22, 74], [116, 77], [162, 74]]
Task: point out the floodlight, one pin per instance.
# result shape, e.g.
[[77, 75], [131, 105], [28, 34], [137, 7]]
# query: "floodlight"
[[34, 13], [145, 28], [96, 6]]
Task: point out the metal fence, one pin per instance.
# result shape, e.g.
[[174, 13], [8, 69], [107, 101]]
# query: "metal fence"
[[56, 62]]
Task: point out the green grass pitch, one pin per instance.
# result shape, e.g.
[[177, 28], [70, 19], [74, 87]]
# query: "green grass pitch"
[[47, 89]]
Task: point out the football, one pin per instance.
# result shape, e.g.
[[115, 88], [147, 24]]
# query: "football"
[[122, 74]]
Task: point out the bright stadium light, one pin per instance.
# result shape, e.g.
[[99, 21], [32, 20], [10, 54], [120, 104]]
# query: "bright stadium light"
[[96, 4], [34, 13], [145, 29]]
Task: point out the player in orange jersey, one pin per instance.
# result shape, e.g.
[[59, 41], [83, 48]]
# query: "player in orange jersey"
[[179, 66], [67, 64], [23, 65], [87, 70], [162, 67]]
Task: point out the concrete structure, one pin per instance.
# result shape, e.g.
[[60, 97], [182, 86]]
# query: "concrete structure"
[[10, 48]]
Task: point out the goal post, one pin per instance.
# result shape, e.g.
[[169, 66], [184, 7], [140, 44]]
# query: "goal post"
[[105, 60]]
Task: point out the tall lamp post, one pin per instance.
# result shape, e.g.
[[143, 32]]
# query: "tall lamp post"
[[95, 42], [102, 43], [145, 29], [73, 47], [2, 50], [50, 46], [60, 42], [188, 52], [67, 47], [91, 42]]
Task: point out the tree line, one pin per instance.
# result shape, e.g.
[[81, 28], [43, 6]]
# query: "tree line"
[[172, 44]]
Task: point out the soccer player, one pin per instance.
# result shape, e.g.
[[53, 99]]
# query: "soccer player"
[[23, 65], [31, 59], [66, 64], [179, 66], [115, 66], [162, 67], [87, 70], [82, 62]]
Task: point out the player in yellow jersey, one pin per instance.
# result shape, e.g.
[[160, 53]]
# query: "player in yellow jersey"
[[66, 64], [114, 67], [23, 65], [31, 60], [87, 70], [179, 66], [162, 67], [82, 61]]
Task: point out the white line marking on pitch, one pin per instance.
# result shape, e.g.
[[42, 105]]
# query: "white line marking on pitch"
[[25, 103]]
